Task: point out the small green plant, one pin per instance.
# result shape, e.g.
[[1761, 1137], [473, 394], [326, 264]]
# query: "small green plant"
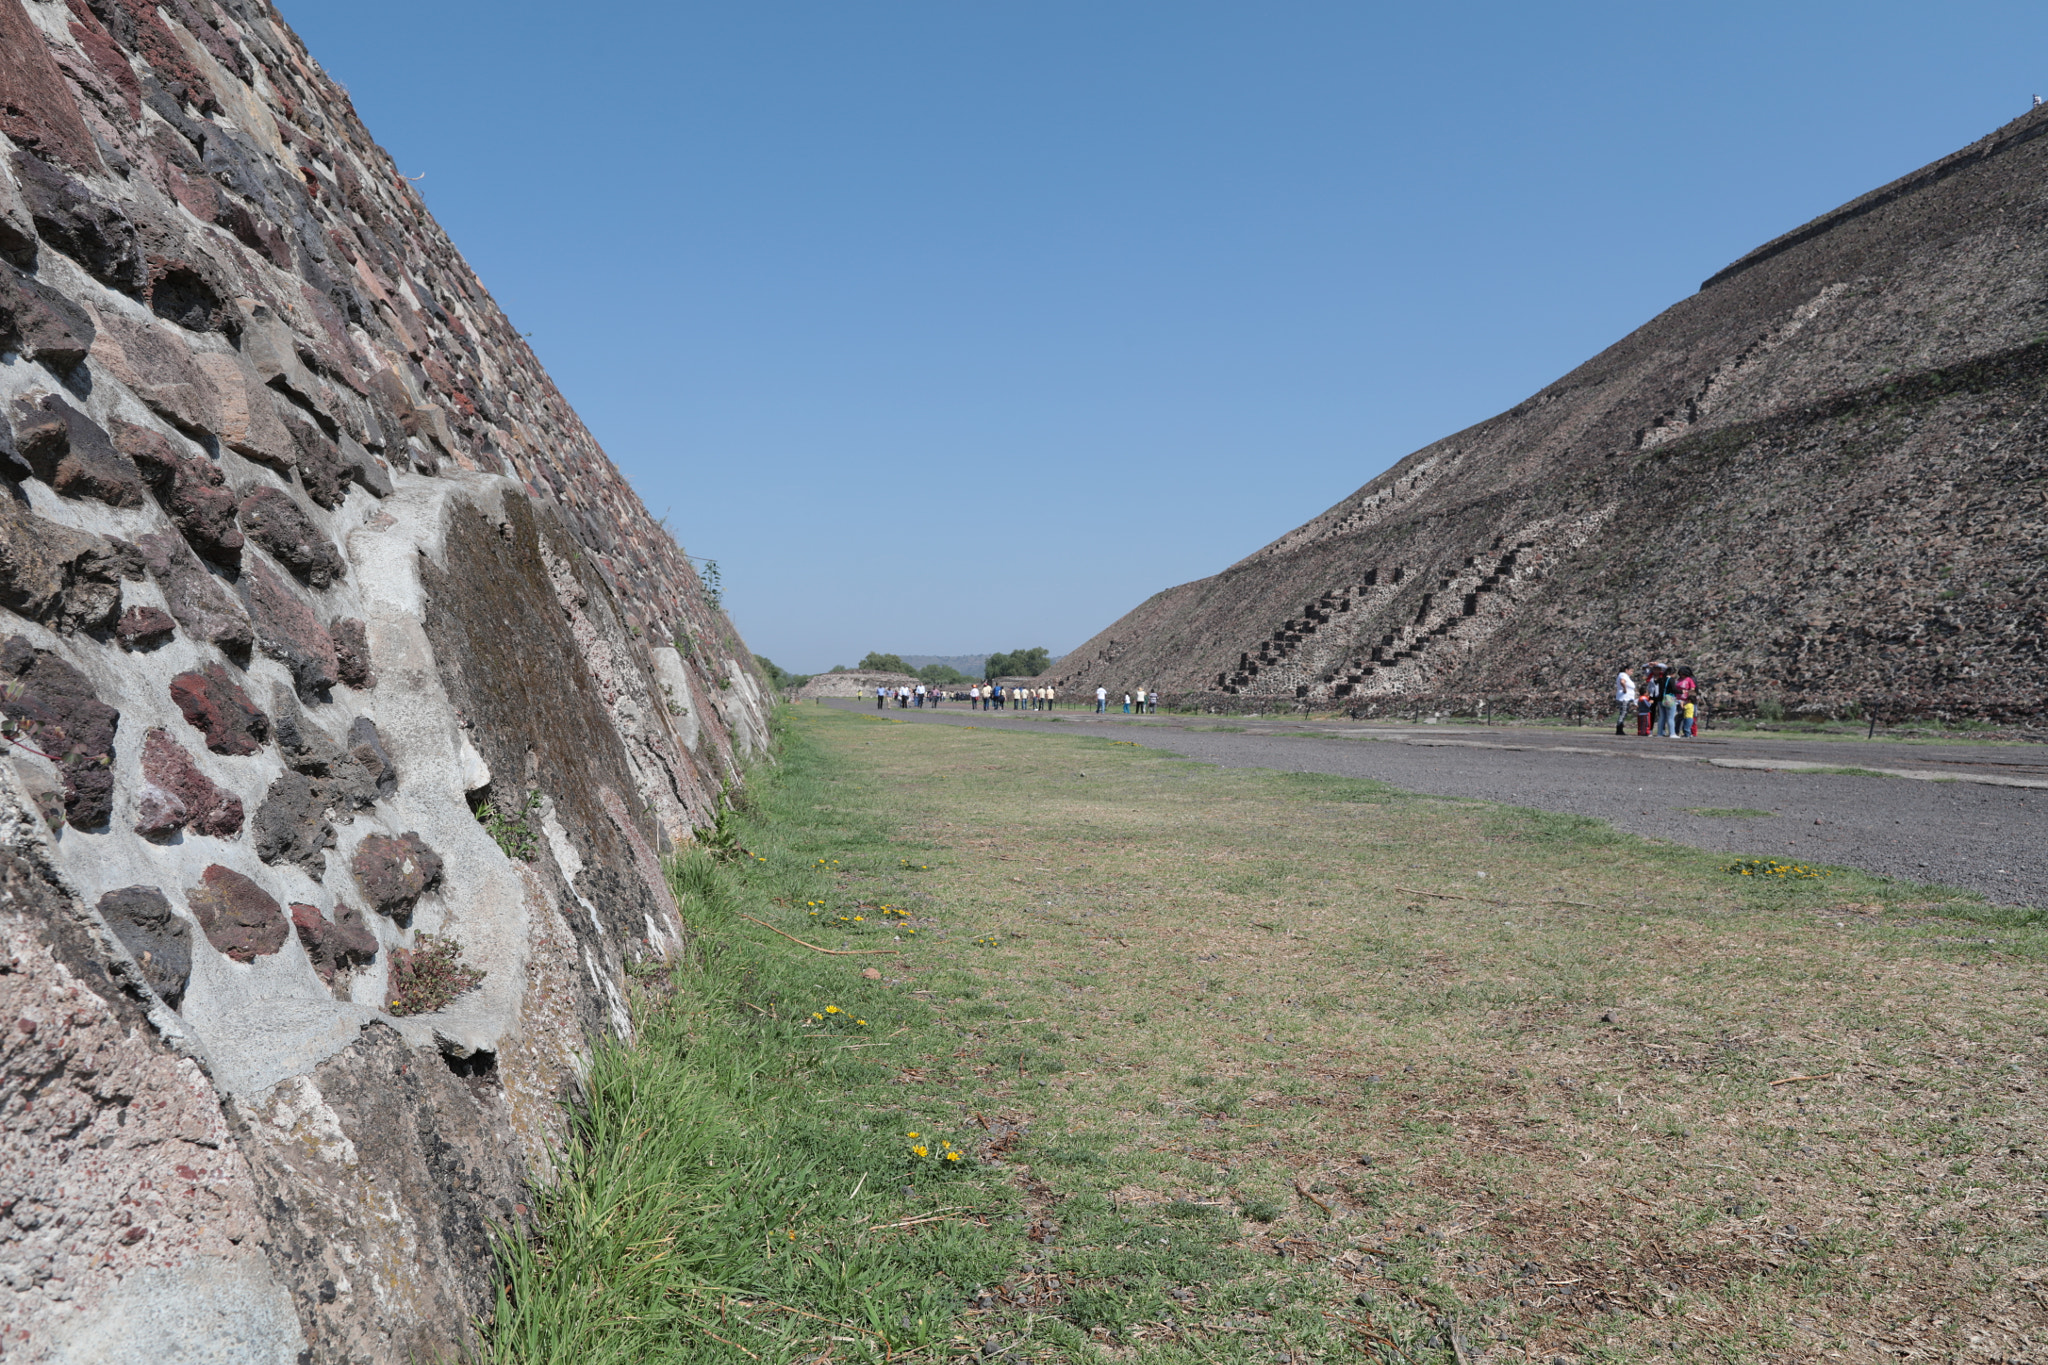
[[513, 830], [1261, 1210], [429, 976], [1770, 708], [722, 840], [927, 1152], [834, 1018]]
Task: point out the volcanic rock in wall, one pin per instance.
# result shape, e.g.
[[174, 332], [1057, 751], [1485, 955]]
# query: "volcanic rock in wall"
[[1820, 482], [302, 557]]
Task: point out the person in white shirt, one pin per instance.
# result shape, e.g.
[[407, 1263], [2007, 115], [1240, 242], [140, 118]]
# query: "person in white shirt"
[[1101, 700], [1624, 701]]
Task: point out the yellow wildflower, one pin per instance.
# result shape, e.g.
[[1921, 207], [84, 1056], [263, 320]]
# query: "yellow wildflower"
[[832, 1009], [920, 1150]]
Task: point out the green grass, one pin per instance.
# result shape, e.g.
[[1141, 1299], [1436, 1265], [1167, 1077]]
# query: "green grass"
[[737, 1170]]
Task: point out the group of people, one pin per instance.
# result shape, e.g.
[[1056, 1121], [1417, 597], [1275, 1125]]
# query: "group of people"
[[1146, 702], [1667, 704], [980, 697], [996, 697]]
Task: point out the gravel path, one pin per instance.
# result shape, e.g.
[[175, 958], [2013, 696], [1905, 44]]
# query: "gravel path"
[[1981, 823]]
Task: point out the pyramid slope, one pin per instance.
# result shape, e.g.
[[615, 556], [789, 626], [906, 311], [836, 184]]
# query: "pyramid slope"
[[1820, 481]]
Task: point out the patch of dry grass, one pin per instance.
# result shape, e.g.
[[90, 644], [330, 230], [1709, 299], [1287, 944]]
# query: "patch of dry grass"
[[1485, 1080]]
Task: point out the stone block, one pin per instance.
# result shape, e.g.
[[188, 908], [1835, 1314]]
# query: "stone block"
[[68, 451], [158, 939], [191, 488], [366, 469], [186, 292], [207, 610], [56, 713], [366, 747], [323, 469], [271, 519], [238, 917], [39, 323], [273, 353], [177, 796], [38, 111], [245, 412], [292, 826], [395, 872], [352, 653], [67, 579], [17, 233], [70, 218], [287, 630], [141, 629], [338, 945], [215, 704]]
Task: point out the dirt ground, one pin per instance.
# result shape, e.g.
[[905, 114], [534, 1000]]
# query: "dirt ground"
[[1505, 1080]]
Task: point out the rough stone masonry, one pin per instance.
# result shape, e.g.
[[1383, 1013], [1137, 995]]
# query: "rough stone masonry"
[[302, 560], [1821, 483]]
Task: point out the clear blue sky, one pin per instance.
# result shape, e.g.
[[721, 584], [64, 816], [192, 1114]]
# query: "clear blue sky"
[[962, 326]]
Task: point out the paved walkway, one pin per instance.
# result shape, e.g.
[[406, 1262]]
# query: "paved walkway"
[[1970, 815]]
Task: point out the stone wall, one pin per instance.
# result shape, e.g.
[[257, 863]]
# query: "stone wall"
[[851, 684], [304, 563], [1821, 483]]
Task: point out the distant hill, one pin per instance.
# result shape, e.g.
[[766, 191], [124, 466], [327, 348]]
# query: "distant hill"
[[1818, 483], [970, 664]]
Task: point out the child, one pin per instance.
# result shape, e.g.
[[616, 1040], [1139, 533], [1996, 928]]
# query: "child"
[[1646, 711], [1687, 726]]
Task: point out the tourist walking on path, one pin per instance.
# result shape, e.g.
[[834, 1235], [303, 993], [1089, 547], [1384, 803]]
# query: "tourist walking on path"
[[1101, 700], [881, 697], [1151, 703], [1624, 700]]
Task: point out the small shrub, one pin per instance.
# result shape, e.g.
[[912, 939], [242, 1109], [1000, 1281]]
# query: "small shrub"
[[1770, 708], [429, 976], [513, 830], [1261, 1210]]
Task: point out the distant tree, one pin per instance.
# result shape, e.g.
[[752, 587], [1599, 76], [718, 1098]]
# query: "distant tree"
[[778, 677], [1022, 663], [839, 668], [941, 675], [883, 663]]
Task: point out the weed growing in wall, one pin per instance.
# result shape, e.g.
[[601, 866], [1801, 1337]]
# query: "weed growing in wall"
[[429, 976], [514, 830]]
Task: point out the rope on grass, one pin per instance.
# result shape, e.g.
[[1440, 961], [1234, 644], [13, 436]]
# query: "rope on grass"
[[831, 952]]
